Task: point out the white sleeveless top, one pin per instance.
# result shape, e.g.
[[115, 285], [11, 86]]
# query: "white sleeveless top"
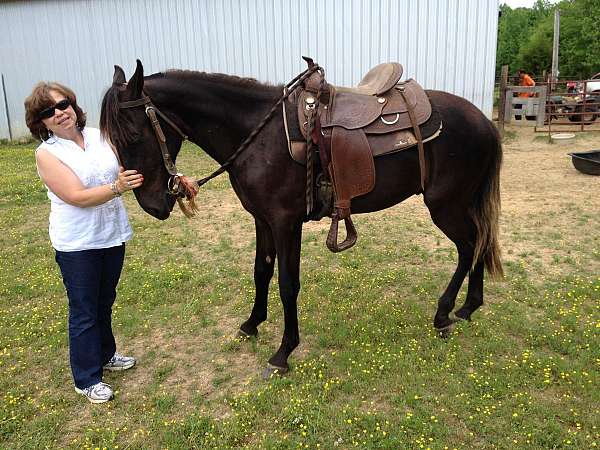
[[73, 228]]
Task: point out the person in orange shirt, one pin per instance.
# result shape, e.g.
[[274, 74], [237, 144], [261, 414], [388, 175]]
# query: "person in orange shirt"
[[524, 80]]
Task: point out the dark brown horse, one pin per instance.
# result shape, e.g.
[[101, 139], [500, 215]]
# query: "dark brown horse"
[[217, 112]]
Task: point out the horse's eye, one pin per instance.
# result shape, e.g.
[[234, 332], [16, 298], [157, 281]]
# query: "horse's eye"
[[135, 138]]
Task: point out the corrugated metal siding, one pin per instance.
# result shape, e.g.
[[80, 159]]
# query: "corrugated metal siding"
[[444, 44]]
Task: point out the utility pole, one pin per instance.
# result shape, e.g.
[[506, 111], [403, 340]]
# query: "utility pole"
[[554, 76]]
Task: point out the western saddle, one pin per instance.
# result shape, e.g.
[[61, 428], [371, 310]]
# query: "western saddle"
[[351, 126]]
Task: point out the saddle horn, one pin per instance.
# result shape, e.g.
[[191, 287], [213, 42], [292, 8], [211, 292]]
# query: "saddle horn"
[[309, 61]]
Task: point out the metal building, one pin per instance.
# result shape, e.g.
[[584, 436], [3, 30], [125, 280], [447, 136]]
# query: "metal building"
[[444, 44]]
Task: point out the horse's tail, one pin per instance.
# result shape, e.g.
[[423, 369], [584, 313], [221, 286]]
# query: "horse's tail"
[[486, 212]]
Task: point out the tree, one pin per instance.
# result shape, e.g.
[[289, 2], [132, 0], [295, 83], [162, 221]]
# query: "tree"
[[513, 28], [535, 55], [579, 52], [525, 37]]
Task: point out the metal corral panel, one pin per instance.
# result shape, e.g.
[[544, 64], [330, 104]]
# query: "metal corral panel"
[[444, 44]]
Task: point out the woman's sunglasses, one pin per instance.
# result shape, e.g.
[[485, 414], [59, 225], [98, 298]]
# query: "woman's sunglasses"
[[49, 112]]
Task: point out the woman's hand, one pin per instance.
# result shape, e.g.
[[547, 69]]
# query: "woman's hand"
[[128, 180]]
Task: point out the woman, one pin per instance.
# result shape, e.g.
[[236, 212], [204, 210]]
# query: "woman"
[[88, 228]]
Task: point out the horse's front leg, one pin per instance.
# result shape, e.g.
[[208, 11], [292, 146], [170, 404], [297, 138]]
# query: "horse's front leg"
[[288, 240], [264, 264]]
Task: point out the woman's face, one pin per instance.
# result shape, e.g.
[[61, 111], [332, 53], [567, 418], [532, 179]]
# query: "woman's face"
[[63, 122]]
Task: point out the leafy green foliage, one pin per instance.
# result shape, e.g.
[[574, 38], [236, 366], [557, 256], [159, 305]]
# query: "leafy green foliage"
[[513, 27], [535, 55], [525, 37], [580, 38]]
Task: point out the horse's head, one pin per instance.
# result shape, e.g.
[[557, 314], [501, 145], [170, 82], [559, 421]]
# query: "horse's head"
[[125, 122]]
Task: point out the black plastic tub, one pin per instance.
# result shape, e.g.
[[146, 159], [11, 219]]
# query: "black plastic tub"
[[587, 162]]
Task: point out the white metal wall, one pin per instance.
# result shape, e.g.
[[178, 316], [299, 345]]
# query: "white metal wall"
[[444, 44]]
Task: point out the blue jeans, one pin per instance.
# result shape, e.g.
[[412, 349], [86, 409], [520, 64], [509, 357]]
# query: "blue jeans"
[[91, 278]]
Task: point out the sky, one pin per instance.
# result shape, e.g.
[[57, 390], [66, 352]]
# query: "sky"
[[521, 3], [518, 3]]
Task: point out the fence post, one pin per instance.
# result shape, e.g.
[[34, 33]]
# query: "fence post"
[[502, 99]]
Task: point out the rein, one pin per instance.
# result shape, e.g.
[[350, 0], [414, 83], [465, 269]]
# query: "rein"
[[288, 89], [178, 184]]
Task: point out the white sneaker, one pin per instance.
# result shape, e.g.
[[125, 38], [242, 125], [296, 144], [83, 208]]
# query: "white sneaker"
[[97, 393], [119, 362]]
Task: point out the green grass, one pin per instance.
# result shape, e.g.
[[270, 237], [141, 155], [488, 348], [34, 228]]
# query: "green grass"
[[370, 371]]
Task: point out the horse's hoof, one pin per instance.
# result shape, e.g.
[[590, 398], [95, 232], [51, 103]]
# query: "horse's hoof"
[[446, 331], [243, 336], [456, 318], [273, 371]]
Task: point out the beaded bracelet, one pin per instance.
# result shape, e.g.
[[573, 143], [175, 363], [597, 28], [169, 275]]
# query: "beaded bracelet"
[[114, 189]]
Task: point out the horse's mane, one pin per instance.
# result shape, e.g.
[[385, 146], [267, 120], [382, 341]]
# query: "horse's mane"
[[115, 128], [219, 78], [119, 130]]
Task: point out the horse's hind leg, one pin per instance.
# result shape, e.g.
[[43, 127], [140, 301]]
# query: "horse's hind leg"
[[264, 263], [460, 229], [474, 294], [442, 320]]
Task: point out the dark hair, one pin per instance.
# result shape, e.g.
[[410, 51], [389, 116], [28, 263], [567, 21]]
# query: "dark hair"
[[40, 99]]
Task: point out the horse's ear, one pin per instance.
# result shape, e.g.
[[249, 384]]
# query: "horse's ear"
[[119, 76], [136, 82]]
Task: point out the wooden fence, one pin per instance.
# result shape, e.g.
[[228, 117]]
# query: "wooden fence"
[[534, 105]]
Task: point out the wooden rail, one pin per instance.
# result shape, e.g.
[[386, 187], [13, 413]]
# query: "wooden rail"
[[530, 106]]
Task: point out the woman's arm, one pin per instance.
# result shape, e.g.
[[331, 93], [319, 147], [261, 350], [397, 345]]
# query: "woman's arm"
[[68, 187]]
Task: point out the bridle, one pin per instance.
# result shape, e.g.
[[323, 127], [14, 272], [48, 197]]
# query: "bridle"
[[178, 184], [173, 183]]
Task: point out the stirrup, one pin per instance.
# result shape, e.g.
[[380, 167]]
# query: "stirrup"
[[351, 235]]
